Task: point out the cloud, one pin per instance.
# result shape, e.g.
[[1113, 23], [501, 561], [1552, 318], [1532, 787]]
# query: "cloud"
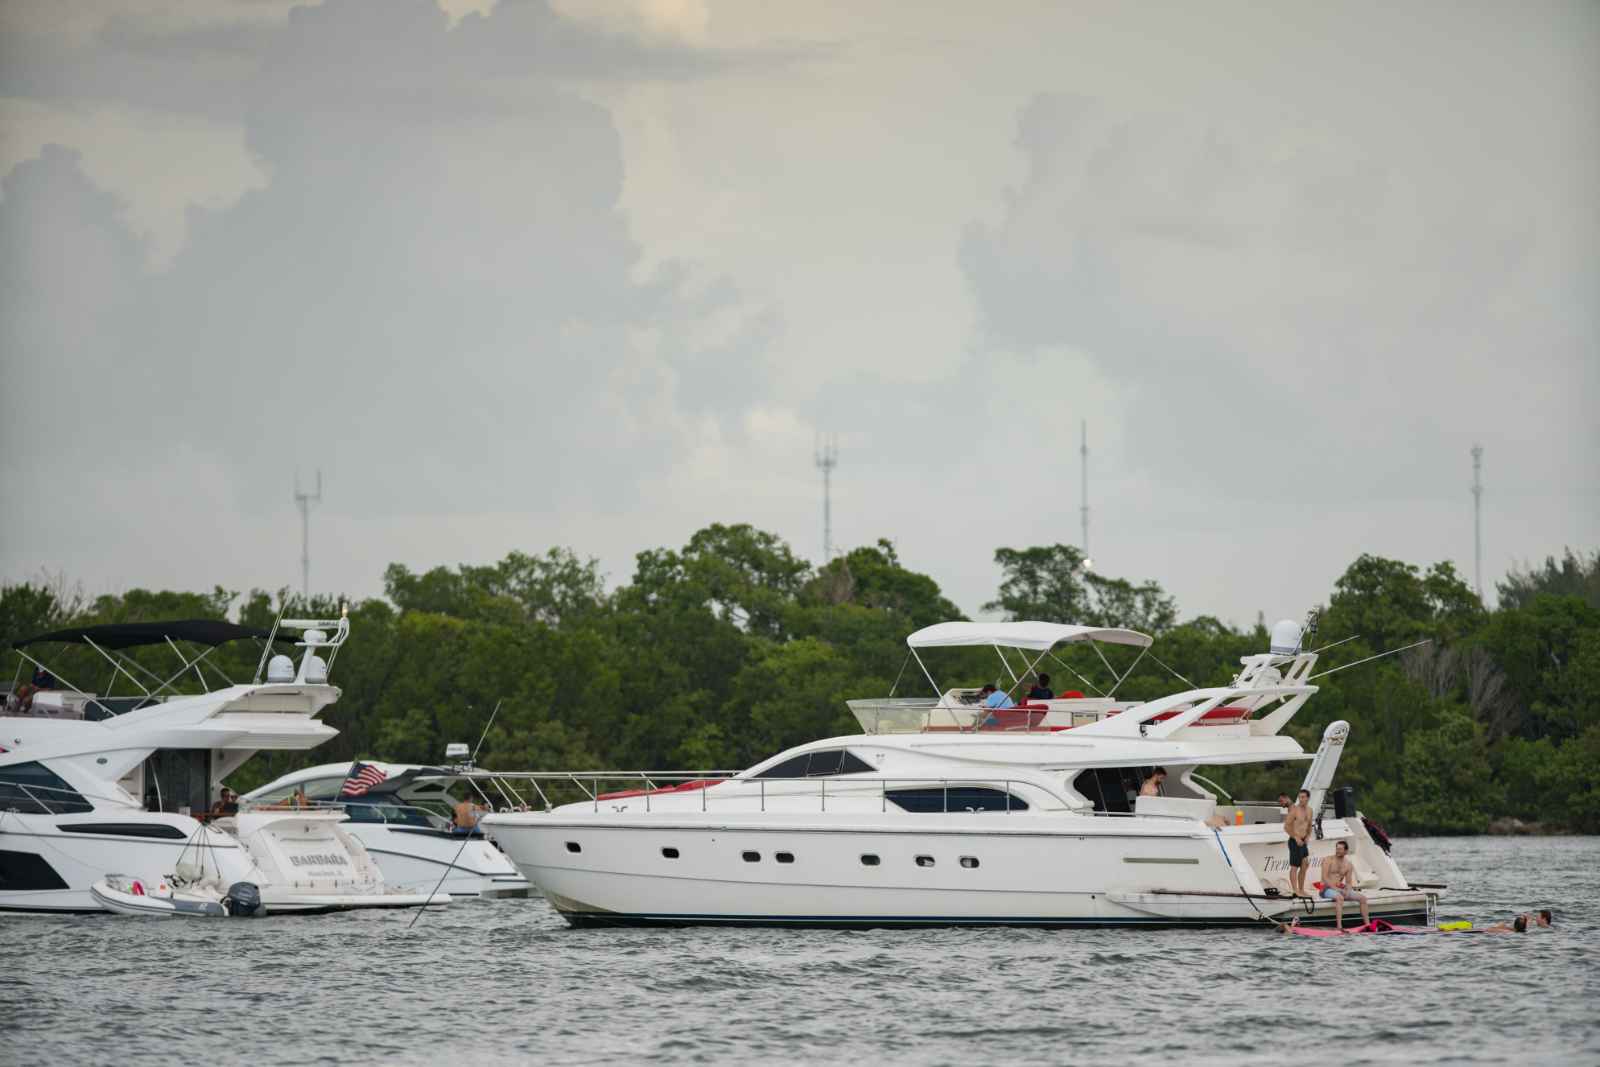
[[434, 288], [1252, 288]]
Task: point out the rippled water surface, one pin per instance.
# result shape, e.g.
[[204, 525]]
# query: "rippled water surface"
[[508, 981]]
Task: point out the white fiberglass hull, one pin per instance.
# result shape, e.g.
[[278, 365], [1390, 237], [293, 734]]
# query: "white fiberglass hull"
[[415, 860], [61, 862], [958, 869]]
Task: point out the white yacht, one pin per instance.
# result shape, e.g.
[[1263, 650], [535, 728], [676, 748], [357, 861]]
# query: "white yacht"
[[81, 772], [404, 820], [944, 811]]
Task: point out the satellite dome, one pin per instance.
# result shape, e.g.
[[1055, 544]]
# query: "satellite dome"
[[1285, 637], [280, 669]]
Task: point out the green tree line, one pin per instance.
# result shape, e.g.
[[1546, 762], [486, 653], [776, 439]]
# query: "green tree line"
[[731, 648]]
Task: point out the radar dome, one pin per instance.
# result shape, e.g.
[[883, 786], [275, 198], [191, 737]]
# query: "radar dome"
[[316, 670], [280, 669], [1285, 637]]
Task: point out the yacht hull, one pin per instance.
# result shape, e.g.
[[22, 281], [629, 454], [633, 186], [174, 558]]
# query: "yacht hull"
[[62, 856], [956, 870], [415, 860]]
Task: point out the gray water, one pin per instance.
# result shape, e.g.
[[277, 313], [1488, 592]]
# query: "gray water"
[[508, 981]]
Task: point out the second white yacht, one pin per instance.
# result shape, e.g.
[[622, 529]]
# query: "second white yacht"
[[99, 791]]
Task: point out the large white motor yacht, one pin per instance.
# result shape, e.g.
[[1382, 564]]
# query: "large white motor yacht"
[[947, 811], [404, 821], [80, 774]]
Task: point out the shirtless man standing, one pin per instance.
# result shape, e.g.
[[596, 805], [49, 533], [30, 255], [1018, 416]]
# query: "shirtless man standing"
[[1338, 874], [1297, 824]]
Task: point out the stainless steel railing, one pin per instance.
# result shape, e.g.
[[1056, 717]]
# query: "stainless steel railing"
[[656, 785]]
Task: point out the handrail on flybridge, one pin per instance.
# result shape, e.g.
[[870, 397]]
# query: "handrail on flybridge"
[[1193, 705]]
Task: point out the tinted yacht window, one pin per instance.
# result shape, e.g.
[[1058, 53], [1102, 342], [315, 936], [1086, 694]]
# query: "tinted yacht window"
[[824, 763], [958, 798], [37, 790], [794, 767]]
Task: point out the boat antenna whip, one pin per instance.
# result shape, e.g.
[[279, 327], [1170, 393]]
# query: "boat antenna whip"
[[1369, 659], [464, 837], [485, 734]]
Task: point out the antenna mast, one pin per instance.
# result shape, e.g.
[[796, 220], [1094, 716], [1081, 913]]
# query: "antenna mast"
[[1477, 519], [1083, 454], [827, 459], [304, 502]]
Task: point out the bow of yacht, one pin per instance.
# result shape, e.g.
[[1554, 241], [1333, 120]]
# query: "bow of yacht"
[[946, 811]]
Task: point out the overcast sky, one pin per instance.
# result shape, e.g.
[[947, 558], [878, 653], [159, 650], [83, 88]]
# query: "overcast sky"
[[597, 274]]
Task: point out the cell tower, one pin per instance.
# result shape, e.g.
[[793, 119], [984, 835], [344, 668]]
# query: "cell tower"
[[304, 501], [1083, 455], [1477, 519], [827, 459]]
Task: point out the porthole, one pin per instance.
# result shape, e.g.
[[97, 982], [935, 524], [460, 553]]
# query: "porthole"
[[969, 862], [752, 857], [784, 857], [869, 860], [670, 853], [573, 846], [924, 861]]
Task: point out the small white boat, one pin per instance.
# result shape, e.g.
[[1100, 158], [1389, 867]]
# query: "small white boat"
[[124, 895], [131, 896], [403, 820]]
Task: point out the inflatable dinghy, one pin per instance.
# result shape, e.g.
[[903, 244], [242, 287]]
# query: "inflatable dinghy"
[[134, 896]]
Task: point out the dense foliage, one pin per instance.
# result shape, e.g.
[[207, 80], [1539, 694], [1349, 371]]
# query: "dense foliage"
[[732, 648]]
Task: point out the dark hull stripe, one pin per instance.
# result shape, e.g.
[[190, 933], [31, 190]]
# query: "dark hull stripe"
[[582, 919]]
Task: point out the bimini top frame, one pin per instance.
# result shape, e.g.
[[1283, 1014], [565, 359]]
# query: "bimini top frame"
[[112, 640], [1026, 636], [1034, 636]]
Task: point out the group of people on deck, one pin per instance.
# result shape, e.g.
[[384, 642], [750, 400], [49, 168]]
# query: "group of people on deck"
[[992, 697], [1338, 873]]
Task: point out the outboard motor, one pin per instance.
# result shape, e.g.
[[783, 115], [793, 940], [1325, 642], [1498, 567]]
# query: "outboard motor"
[[243, 901]]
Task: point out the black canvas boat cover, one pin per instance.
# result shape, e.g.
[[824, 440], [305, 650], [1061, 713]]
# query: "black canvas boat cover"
[[133, 634]]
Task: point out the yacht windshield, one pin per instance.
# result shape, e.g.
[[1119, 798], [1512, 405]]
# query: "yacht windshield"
[[35, 789], [823, 763], [386, 811]]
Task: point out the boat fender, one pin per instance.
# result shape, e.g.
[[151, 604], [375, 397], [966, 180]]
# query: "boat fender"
[[1378, 835], [243, 901]]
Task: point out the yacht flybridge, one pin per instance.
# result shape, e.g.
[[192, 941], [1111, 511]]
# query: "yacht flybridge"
[[98, 793], [947, 811]]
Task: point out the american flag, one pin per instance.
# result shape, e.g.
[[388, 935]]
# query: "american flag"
[[363, 776]]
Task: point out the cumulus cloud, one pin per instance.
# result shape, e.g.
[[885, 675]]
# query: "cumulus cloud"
[[516, 274], [1253, 288], [436, 287]]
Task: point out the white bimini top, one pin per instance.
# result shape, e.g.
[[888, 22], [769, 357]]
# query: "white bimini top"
[[1037, 636]]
